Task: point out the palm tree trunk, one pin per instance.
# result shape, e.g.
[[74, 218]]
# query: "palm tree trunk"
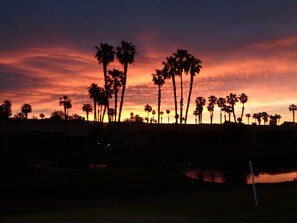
[[123, 90], [221, 116], [115, 103], [64, 113], [95, 111], [87, 113], [104, 111], [175, 100], [106, 87], [159, 103], [293, 116], [189, 97], [242, 111], [181, 99], [233, 110]]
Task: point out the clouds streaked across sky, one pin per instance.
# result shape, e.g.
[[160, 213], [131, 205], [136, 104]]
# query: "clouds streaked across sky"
[[47, 50]]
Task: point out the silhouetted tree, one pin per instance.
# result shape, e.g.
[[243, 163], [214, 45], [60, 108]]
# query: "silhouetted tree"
[[111, 113], [148, 109], [161, 114], [248, 117], [94, 92], [212, 101], [265, 117], [169, 73], [168, 112], [221, 103], [243, 98], [19, 116], [5, 110], [87, 108], [231, 100], [293, 108], [126, 55], [41, 115], [116, 80], [65, 101], [105, 55], [153, 113], [57, 116], [194, 68], [274, 119], [76, 117], [26, 108], [159, 80], [200, 103]]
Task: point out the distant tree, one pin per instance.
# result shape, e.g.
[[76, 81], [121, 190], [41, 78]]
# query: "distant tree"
[[212, 100], [243, 98], [57, 116], [41, 115], [227, 109], [293, 108], [126, 55], [159, 80], [231, 100], [265, 117], [195, 113], [274, 119], [94, 92], [5, 110], [76, 117], [65, 101], [26, 108], [200, 103], [248, 117], [161, 114], [153, 113], [221, 103], [105, 55], [19, 116], [258, 117], [111, 113], [148, 109], [87, 108], [168, 112]]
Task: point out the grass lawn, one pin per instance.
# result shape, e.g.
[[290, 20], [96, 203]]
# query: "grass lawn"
[[277, 203]]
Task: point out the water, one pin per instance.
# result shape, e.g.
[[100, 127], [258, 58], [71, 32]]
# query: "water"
[[224, 177]]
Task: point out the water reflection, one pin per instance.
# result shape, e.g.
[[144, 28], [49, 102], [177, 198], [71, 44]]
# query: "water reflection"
[[232, 177]]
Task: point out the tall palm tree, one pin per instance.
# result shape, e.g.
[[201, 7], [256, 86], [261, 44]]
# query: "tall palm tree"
[[168, 112], [232, 99], [148, 109], [26, 108], [94, 92], [87, 108], [116, 80], [105, 55], [293, 108], [194, 68], [66, 102], [221, 103], [248, 117], [126, 55], [200, 103], [169, 73], [102, 103], [243, 98], [159, 79]]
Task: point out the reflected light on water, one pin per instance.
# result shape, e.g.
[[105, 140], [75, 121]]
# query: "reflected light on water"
[[273, 178]]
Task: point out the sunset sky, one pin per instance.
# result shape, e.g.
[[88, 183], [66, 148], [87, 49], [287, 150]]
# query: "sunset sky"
[[47, 50]]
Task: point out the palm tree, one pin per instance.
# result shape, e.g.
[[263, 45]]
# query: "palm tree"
[[87, 108], [232, 99], [221, 103], [255, 116], [169, 73], [195, 67], [200, 103], [161, 114], [227, 109], [195, 113], [265, 117], [26, 108], [243, 98], [105, 55], [148, 109], [66, 102], [153, 113], [248, 117], [293, 108], [126, 55], [116, 79], [210, 108], [168, 112], [159, 79], [94, 92], [258, 117], [102, 103]]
